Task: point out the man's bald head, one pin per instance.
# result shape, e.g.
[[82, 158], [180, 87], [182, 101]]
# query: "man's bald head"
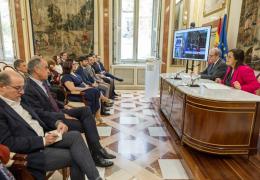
[[7, 76]]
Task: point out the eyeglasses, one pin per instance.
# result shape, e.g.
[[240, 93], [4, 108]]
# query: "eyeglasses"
[[17, 88]]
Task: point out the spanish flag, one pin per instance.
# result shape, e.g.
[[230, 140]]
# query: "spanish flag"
[[216, 42]]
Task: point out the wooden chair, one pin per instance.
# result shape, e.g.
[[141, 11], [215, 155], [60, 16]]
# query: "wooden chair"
[[2, 65], [19, 170], [74, 104], [9, 67]]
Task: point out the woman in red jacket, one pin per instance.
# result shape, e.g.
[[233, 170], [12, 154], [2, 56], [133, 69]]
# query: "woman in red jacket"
[[239, 75]]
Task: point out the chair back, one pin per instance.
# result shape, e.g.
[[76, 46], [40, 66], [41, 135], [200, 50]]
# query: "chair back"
[[73, 104], [2, 65]]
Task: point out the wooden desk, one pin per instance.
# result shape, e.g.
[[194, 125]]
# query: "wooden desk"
[[217, 121]]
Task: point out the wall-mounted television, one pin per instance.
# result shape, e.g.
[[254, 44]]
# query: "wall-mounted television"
[[192, 44]]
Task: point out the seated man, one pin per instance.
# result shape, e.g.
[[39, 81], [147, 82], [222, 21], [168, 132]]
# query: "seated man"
[[37, 94], [100, 77], [22, 131], [100, 69], [87, 79], [21, 67], [216, 68]]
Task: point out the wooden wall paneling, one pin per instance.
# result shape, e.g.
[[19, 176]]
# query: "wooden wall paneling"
[[166, 23], [106, 33], [19, 25]]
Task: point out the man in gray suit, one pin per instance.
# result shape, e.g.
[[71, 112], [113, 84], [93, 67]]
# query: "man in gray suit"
[[216, 68], [23, 131]]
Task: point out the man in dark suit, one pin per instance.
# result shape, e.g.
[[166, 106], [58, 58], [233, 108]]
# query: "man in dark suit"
[[86, 77], [100, 69], [37, 94], [22, 131], [21, 66], [216, 68]]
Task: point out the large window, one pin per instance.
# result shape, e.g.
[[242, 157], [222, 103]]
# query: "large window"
[[6, 40], [136, 30]]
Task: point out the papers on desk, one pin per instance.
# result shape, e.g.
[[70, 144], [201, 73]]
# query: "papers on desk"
[[214, 86]]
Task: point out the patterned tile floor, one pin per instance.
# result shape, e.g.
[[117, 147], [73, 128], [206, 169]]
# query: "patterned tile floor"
[[135, 134]]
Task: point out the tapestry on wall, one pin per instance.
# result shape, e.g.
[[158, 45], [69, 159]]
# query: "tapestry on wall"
[[249, 32], [62, 25]]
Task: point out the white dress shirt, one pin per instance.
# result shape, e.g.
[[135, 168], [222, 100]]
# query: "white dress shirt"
[[16, 106]]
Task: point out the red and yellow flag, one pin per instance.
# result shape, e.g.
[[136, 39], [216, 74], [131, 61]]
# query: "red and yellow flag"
[[216, 43]]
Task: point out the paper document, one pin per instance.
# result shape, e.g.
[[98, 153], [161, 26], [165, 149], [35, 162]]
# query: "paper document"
[[214, 86], [59, 138]]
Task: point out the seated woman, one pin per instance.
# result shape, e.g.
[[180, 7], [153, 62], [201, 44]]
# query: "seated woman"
[[54, 76], [54, 81], [239, 75], [73, 82], [57, 67]]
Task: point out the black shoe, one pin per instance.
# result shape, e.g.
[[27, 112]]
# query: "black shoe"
[[103, 152], [104, 113], [115, 94], [108, 105], [119, 79], [100, 161]]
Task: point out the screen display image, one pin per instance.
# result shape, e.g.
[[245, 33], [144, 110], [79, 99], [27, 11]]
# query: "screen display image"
[[192, 44]]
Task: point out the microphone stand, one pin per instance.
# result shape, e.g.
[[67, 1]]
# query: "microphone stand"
[[177, 75], [193, 82]]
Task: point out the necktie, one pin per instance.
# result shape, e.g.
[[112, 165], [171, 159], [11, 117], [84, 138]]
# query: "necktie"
[[211, 67], [51, 99]]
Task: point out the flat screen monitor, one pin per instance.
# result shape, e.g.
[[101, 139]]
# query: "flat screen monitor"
[[192, 44]]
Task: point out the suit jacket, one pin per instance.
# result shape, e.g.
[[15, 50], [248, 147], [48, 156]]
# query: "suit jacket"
[[98, 67], [90, 72], [39, 101], [19, 137], [218, 71], [245, 76], [85, 76]]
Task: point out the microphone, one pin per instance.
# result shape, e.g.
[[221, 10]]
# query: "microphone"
[[177, 75], [192, 84]]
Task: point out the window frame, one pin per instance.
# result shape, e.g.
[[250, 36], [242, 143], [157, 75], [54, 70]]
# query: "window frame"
[[155, 29]]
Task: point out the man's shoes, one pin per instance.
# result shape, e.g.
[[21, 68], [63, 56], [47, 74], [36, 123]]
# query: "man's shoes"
[[115, 94], [108, 105], [100, 161], [105, 113], [119, 79], [103, 152]]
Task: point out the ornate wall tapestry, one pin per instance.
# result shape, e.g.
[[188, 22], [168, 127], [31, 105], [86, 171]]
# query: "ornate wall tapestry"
[[249, 32], [62, 25]]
